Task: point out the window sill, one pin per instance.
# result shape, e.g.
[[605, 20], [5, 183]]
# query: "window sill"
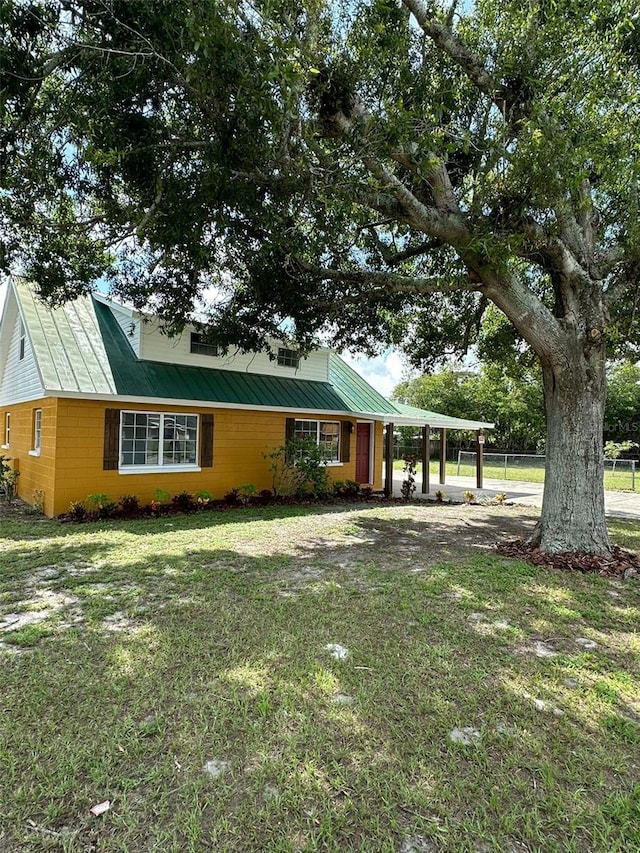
[[4, 447], [157, 469], [34, 452], [333, 464]]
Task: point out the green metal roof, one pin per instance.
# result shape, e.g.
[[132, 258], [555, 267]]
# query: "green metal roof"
[[136, 378], [81, 348], [66, 342], [361, 396], [435, 419]]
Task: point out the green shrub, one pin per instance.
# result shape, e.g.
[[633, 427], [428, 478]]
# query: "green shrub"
[[98, 500], [299, 470], [102, 505], [8, 478]]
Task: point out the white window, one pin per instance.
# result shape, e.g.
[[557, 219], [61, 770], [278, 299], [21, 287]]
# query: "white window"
[[37, 430], [288, 357], [326, 434], [23, 336], [158, 439], [7, 429], [200, 346]]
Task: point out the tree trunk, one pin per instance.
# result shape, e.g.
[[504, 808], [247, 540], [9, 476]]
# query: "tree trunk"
[[572, 517]]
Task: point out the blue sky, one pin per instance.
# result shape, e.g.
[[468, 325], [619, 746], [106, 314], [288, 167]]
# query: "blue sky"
[[384, 372]]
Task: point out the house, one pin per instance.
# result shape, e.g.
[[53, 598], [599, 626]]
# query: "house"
[[94, 399]]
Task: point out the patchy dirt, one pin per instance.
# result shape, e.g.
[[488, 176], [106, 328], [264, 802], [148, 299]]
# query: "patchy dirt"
[[619, 564], [412, 536]]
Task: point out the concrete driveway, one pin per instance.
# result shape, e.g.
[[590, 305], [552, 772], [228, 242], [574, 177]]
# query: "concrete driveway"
[[617, 504]]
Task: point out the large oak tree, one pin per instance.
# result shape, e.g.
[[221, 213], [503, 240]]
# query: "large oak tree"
[[376, 171]]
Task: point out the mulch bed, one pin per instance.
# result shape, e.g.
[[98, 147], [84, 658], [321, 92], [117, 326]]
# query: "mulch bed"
[[617, 564]]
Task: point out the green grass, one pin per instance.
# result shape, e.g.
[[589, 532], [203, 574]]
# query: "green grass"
[[618, 480], [160, 645]]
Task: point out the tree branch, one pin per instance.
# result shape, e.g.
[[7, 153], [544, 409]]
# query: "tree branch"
[[387, 282], [447, 226], [444, 38], [392, 258]]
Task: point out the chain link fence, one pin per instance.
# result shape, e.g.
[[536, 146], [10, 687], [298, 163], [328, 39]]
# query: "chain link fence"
[[618, 473]]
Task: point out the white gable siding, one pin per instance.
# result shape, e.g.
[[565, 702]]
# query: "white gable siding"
[[19, 379], [129, 323], [154, 346]]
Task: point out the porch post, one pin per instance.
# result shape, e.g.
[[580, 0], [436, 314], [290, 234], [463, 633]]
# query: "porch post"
[[479, 459], [426, 453], [443, 455], [388, 471]]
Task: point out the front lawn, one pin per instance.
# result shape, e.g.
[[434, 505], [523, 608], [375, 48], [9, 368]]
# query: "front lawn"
[[352, 678]]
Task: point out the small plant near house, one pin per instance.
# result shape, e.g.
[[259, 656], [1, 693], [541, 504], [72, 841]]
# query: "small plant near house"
[[299, 470], [266, 496], [98, 500], [440, 496], [11, 484], [203, 497], [409, 483], [501, 498], [8, 478], [247, 491], [77, 511], [101, 505], [160, 499], [232, 497], [129, 506], [184, 502], [469, 497], [38, 501], [346, 489]]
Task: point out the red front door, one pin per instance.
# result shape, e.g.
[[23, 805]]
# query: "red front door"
[[363, 447]]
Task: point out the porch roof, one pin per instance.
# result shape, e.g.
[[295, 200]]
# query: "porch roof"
[[411, 416]]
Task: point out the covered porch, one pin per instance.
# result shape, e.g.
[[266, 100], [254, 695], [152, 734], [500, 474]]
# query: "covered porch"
[[428, 422]]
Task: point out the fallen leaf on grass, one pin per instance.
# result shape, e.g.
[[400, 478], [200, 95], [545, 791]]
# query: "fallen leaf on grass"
[[100, 808]]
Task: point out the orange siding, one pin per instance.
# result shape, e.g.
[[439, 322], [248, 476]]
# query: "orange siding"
[[240, 438], [70, 465], [36, 472]]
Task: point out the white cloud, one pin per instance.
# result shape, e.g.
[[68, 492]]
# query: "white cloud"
[[384, 371]]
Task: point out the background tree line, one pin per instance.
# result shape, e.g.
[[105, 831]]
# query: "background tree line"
[[513, 400]]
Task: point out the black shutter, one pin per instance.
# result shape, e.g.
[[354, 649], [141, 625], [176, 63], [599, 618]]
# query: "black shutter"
[[111, 439], [290, 430], [345, 441], [206, 440]]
